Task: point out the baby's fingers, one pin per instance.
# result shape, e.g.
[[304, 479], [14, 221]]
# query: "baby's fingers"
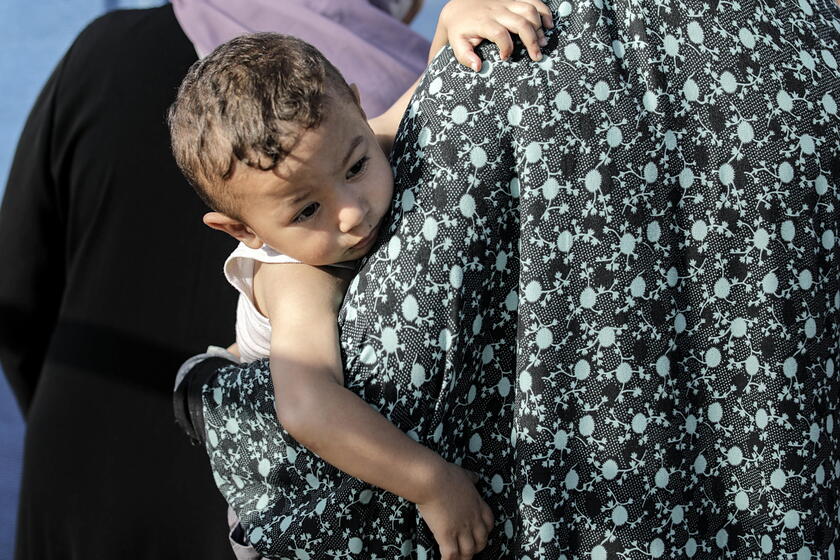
[[526, 31], [466, 546], [499, 34], [464, 53], [529, 12], [544, 12], [480, 538], [449, 550], [487, 517]]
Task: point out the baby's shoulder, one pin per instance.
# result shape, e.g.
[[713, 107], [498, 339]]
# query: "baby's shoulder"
[[283, 288]]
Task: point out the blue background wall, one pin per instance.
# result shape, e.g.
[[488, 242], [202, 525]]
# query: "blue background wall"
[[33, 37]]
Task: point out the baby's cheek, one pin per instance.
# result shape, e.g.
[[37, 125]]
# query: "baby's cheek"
[[326, 249], [310, 248], [386, 190]]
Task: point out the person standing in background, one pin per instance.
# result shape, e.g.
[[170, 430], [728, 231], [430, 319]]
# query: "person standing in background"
[[92, 195]]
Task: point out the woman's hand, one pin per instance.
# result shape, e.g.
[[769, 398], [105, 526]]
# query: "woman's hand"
[[464, 24]]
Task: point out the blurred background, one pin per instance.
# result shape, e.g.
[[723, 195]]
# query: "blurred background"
[[33, 37]]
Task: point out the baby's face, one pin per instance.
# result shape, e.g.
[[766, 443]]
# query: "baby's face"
[[326, 201]]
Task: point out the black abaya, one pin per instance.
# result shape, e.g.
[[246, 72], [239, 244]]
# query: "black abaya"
[[109, 281]]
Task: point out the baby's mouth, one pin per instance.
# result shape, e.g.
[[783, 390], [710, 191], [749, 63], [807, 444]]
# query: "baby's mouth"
[[369, 238]]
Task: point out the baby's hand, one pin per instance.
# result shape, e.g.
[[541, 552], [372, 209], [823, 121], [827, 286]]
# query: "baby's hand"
[[467, 23], [459, 519]]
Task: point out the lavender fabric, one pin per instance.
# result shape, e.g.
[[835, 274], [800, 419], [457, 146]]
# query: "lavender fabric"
[[397, 8], [370, 47]]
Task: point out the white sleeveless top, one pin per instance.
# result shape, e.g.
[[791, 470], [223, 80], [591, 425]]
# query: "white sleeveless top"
[[253, 329]]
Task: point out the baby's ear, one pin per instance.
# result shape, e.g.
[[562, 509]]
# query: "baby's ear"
[[233, 227]]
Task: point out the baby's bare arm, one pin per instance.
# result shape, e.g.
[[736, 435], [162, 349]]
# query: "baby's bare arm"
[[333, 422], [385, 125]]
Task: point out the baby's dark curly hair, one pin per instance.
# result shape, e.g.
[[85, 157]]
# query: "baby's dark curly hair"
[[248, 101]]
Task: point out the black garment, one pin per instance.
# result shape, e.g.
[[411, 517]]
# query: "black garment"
[[109, 282], [610, 287]]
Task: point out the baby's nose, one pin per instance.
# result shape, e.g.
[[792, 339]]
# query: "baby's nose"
[[351, 214]]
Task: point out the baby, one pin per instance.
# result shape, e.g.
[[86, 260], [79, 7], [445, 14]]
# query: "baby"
[[276, 143]]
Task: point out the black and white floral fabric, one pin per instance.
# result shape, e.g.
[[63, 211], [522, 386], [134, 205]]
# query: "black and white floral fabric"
[[611, 287]]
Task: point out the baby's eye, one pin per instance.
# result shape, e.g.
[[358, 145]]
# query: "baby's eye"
[[358, 167], [307, 212]]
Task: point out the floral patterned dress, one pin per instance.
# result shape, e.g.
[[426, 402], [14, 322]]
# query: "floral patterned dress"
[[610, 287]]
